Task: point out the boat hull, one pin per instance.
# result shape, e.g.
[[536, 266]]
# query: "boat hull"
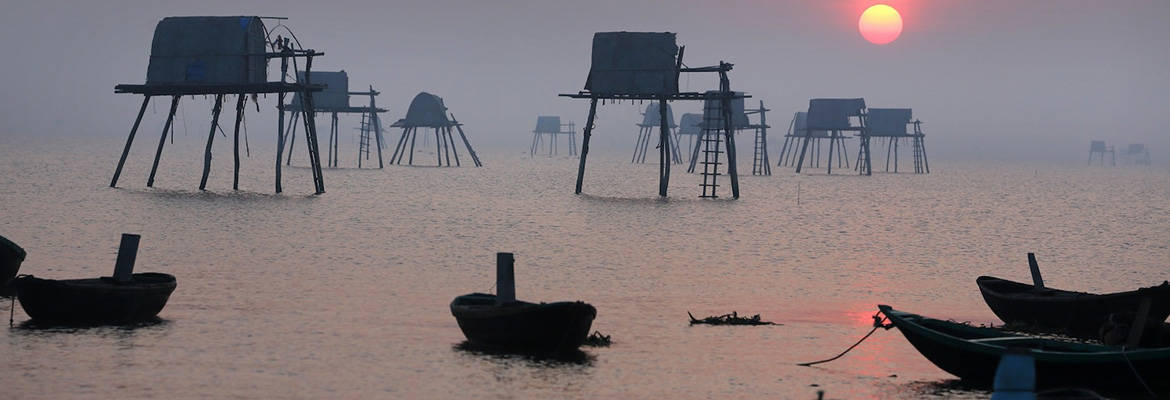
[[11, 256], [524, 327], [973, 354], [1075, 314], [94, 301]]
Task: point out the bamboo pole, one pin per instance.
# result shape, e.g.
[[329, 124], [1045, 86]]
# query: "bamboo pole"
[[162, 140], [129, 141]]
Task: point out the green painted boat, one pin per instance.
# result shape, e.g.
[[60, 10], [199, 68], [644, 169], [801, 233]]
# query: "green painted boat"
[[972, 353]]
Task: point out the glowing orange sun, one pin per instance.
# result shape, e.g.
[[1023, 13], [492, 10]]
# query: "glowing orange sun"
[[880, 24]]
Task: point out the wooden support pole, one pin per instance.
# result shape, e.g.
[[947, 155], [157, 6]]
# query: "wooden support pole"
[[236, 148], [1139, 323], [127, 253], [129, 141], [664, 153], [832, 148], [279, 138], [210, 138], [1037, 280], [454, 148], [438, 147], [471, 151], [162, 140], [803, 149], [585, 143], [637, 144], [413, 136], [292, 127], [377, 132], [398, 147]]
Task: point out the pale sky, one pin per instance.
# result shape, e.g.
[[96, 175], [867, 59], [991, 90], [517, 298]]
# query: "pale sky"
[[990, 79]]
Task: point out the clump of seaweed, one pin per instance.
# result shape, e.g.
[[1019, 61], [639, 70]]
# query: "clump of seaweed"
[[596, 339], [730, 319]]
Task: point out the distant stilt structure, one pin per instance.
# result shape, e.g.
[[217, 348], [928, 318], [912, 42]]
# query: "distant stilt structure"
[[890, 124], [548, 129], [335, 100], [1137, 154], [1098, 148], [760, 162], [790, 149], [835, 116], [634, 66], [428, 111], [650, 121], [689, 126], [222, 56]]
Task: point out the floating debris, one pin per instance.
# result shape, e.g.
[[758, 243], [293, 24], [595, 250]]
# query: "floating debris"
[[596, 339], [730, 319]]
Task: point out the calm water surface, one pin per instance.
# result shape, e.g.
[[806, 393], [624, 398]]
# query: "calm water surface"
[[345, 295]]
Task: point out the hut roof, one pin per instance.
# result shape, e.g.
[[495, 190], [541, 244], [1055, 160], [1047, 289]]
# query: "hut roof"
[[653, 117], [739, 118], [689, 124], [208, 50], [548, 124], [888, 121], [634, 63], [833, 114], [335, 95], [426, 110], [1097, 145]]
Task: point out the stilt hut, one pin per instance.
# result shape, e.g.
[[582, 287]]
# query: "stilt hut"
[[689, 125], [548, 129], [836, 116], [1137, 154], [760, 163], [334, 100], [221, 56], [636, 66], [890, 124], [1098, 148], [428, 111], [651, 121], [797, 131]]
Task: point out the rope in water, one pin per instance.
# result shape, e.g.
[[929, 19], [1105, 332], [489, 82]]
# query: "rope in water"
[[877, 323]]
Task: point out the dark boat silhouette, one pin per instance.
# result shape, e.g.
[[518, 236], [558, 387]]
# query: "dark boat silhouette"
[[501, 322], [96, 300], [11, 256], [973, 353], [123, 298], [1071, 313]]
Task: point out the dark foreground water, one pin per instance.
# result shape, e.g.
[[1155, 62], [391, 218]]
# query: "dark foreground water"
[[345, 295]]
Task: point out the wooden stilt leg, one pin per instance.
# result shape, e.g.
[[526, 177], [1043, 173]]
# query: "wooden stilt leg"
[[162, 140], [664, 154], [454, 148], [292, 127], [803, 150], [438, 147], [585, 143], [471, 151], [279, 138], [832, 147], [236, 147], [377, 136], [210, 138], [129, 141], [413, 136], [396, 158]]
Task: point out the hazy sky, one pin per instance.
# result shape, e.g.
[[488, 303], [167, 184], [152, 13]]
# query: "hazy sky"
[[991, 79]]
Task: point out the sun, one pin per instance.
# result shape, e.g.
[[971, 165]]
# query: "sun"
[[880, 24]]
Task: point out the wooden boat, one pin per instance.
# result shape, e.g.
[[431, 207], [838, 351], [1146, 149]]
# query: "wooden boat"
[[94, 301], [11, 256], [1075, 314], [973, 353], [522, 326]]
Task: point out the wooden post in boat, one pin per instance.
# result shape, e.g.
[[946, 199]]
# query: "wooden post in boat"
[[505, 278], [1037, 280], [1139, 323], [127, 252]]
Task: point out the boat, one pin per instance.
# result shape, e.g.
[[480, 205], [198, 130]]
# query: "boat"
[[542, 328], [11, 256], [500, 322], [1075, 314], [973, 353], [102, 300]]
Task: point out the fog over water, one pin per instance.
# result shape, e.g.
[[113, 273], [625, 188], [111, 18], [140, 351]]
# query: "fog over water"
[[992, 80]]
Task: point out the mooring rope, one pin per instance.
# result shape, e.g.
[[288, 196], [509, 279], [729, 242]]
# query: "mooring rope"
[[877, 323], [1137, 375]]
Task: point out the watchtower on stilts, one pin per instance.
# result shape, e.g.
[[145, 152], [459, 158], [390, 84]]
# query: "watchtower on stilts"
[[689, 125], [221, 56], [796, 132], [633, 66], [651, 120], [760, 163], [552, 127], [1137, 154], [890, 124], [335, 100], [835, 116], [1098, 148], [428, 111]]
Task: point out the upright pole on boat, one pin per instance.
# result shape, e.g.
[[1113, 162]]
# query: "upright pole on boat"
[[1036, 279], [505, 279], [1015, 378], [127, 252]]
